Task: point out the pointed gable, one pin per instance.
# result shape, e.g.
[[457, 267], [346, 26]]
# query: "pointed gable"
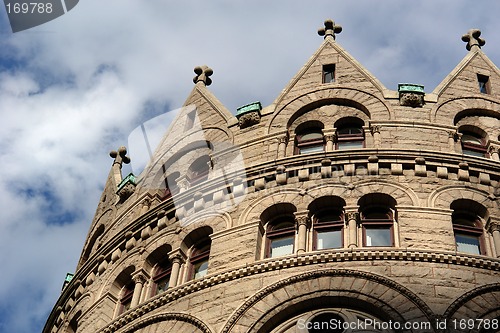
[[472, 85], [331, 75]]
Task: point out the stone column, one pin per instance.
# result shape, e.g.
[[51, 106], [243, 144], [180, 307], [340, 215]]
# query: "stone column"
[[182, 183], [330, 141], [176, 267], [493, 150], [282, 142], [495, 232], [452, 138], [352, 225], [302, 220], [139, 280], [376, 136]]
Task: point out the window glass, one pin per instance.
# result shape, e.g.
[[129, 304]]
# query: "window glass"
[[350, 131], [281, 246], [378, 236], [331, 239], [162, 284], [311, 149], [467, 243], [349, 145], [200, 269]]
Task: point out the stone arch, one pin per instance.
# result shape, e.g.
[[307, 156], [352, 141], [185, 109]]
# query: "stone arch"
[[447, 112], [403, 195], [481, 302], [444, 196], [371, 105], [352, 192], [216, 221], [168, 322], [351, 287], [255, 208]]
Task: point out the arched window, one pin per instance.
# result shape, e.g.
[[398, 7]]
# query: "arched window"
[[467, 226], [328, 230], [350, 133], [377, 213], [280, 235], [198, 171], [310, 141], [473, 144], [126, 296], [199, 259], [161, 277]]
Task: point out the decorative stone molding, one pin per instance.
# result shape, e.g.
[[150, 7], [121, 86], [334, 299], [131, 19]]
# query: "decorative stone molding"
[[182, 317], [351, 216], [330, 29], [126, 187], [249, 115], [249, 119], [473, 40], [469, 295], [374, 129], [411, 95], [203, 74]]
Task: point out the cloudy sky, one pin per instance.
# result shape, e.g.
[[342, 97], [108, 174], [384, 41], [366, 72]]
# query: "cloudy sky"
[[73, 89]]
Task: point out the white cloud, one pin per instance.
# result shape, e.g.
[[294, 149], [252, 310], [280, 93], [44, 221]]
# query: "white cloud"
[[74, 88]]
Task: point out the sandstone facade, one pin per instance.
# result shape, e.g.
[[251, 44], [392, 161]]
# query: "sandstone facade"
[[355, 202]]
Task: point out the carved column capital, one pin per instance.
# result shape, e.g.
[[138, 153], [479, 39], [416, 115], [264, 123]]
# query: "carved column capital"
[[302, 218], [351, 216], [493, 149], [453, 135], [331, 137], [283, 139], [375, 129], [139, 278]]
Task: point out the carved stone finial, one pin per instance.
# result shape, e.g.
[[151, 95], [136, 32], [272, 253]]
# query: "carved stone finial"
[[120, 156], [330, 29], [472, 39], [203, 74]]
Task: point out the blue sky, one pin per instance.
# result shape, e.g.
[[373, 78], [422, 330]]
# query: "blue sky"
[[72, 90]]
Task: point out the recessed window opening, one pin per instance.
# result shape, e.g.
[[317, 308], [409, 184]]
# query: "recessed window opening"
[[329, 73], [484, 83]]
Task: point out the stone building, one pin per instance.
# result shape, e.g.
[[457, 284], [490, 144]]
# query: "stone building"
[[342, 202]]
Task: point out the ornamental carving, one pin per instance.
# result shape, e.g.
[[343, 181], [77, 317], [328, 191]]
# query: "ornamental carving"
[[411, 99], [249, 119], [126, 191]]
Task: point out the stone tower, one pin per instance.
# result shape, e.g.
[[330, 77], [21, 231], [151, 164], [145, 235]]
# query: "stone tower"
[[343, 203]]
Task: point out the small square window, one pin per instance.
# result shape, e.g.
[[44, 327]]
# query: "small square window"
[[484, 83], [329, 73]]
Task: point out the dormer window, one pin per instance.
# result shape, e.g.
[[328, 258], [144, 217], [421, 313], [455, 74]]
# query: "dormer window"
[[484, 83], [329, 73]]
